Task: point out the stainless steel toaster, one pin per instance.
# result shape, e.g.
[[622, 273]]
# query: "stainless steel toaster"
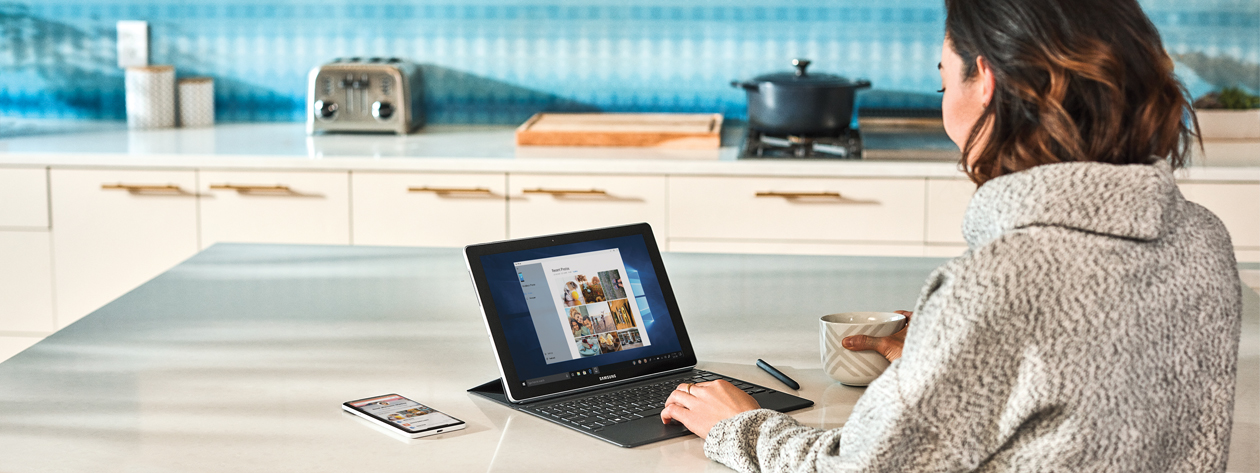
[[365, 95]]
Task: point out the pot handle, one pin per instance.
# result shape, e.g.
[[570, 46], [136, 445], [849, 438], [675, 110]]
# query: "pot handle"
[[800, 65], [744, 85], [862, 84]]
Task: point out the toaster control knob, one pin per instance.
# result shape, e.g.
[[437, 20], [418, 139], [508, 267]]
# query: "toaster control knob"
[[325, 109], [382, 110]]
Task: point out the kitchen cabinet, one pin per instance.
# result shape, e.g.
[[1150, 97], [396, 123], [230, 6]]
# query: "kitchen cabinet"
[[24, 194], [428, 209], [947, 201], [26, 304], [540, 204], [275, 207], [80, 225], [1237, 205], [26, 295], [797, 215], [115, 229]]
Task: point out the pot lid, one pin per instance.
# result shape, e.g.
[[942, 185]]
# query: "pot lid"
[[801, 78]]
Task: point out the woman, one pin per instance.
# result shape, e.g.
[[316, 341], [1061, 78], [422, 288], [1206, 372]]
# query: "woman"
[[1093, 323]]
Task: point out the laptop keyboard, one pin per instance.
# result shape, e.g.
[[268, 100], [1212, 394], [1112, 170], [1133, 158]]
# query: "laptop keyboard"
[[594, 412]]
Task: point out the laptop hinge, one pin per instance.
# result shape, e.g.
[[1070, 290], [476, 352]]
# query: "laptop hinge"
[[591, 389]]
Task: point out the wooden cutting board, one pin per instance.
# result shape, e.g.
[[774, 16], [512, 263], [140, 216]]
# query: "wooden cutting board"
[[645, 130]]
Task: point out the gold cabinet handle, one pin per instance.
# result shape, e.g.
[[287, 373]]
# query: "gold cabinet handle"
[[566, 191], [145, 188], [243, 189], [798, 195], [452, 190]]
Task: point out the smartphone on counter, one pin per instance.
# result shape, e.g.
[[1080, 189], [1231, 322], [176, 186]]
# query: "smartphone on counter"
[[403, 416]]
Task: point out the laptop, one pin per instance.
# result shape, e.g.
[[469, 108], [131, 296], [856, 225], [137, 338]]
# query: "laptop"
[[588, 335]]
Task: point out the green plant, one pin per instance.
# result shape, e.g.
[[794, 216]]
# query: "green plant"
[[1229, 98], [1234, 98]]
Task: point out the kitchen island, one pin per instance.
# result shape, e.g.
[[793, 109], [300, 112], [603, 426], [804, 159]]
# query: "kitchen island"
[[238, 358]]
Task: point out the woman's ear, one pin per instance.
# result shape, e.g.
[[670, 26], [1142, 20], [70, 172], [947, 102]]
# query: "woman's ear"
[[984, 73]]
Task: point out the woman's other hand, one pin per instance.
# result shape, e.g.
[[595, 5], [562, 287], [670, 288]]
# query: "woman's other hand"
[[889, 346], [699, 406]]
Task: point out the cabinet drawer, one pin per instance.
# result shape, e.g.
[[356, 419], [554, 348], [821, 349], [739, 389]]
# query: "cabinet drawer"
[[26, 282], [114, 230], [855, 210], [543, 204], [275, 207], [1237, 205], [412, 209], [947, 201], [23, 198]]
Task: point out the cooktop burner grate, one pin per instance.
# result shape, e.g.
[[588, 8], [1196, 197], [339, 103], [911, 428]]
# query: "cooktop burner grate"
[[758, 145]]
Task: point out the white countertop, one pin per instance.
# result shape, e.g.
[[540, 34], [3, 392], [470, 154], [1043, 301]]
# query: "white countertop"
[[238, 358], [448, 148]]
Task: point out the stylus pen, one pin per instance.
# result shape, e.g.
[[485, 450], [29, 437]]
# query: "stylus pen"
[[777, 374]]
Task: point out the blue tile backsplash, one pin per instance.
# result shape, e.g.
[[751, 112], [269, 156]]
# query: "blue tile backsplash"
[[498, 62]]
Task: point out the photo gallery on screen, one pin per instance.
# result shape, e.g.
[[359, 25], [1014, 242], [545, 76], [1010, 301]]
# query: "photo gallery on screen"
[[600, 315]]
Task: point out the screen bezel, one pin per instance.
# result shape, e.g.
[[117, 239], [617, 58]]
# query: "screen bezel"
[[512, 384], [350, 405]]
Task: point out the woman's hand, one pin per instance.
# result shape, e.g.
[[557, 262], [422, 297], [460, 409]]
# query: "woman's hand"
[[699, 406], [889, 346]]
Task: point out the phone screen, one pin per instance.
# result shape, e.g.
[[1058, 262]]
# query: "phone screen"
[[404, 413]]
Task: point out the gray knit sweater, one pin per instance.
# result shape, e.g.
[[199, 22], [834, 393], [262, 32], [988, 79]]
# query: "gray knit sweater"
[[1092, 325]]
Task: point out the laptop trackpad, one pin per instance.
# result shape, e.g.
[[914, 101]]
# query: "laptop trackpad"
[[642, 431]]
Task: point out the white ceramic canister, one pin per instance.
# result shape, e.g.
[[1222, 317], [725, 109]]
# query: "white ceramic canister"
[[196, 102], [150, 97]]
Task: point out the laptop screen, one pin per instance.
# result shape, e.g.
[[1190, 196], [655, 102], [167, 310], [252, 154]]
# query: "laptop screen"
[[581, 313]]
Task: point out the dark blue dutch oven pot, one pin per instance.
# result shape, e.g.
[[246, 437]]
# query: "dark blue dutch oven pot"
[[800, 104]]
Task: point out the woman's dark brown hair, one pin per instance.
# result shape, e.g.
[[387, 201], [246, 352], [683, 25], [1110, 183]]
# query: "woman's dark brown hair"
[[1077, 80]]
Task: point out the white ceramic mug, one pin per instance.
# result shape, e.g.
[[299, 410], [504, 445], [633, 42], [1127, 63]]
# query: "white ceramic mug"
[[855, 368]]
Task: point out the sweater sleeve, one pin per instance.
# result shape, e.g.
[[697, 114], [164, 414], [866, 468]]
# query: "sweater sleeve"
[[943, 406], [765, 440], [743, 442]]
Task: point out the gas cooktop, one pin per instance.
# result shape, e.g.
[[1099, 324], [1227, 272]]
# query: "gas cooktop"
[[845, 145], [879, 138]]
